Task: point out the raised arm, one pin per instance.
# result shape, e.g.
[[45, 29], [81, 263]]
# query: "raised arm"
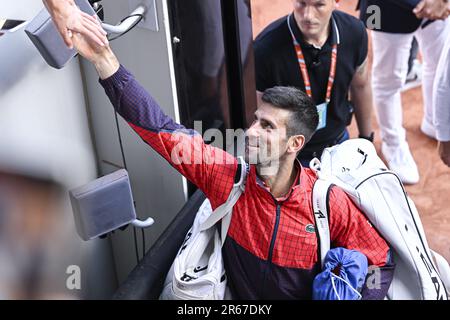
[[211, 169]]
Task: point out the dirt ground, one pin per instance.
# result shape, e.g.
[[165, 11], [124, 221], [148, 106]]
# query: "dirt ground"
[[432, 194]]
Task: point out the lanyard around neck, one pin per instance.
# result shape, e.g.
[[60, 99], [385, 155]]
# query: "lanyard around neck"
[[304, 69]]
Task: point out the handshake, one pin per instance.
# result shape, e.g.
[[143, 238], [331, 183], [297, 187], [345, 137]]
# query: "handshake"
[[432, 9], [69, 19], [84, 33]]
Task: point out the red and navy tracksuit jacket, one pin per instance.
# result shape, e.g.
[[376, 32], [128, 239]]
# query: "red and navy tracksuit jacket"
[[271, 251]]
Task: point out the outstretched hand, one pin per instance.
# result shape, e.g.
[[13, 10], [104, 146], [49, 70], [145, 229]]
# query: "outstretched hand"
[[102, 57], [69, 18], [86, 47]]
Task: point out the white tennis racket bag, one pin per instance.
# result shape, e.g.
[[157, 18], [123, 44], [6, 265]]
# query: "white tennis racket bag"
[[354, 166]]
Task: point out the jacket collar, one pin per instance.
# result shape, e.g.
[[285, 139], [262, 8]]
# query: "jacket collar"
[[296, 184]]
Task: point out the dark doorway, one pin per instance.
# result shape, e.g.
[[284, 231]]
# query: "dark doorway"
[[213, 57]]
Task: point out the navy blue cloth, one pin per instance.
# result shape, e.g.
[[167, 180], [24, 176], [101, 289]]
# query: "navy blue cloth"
[[396, 15], [252, 278], [130, 105], [343, 276], [378, 282]]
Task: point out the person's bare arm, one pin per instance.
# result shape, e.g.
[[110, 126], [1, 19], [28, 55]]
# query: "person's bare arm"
[[102, 57], [69, 19], [361, 94], [432, 9]]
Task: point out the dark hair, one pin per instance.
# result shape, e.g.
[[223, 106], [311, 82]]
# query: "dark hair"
[[304, 119]]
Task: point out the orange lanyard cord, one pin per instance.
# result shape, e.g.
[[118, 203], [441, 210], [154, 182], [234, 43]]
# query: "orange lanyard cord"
[[304, 69]]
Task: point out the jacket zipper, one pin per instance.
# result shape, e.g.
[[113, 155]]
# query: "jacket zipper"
[[272, 245], [275, 231]]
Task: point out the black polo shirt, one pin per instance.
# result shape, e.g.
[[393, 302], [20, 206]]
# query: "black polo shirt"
[[395, 16], [277, 65]]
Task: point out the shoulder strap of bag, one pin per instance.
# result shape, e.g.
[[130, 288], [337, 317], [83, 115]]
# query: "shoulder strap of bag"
[[224, 212], [320, 194]]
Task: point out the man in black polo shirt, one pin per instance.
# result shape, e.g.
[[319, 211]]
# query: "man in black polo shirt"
[[323, 52]]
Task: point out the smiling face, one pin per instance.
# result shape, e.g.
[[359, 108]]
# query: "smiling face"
[[313, 16], [266, 139], [285, 120]]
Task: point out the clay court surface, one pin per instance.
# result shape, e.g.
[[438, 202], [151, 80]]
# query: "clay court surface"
[[432, 194]]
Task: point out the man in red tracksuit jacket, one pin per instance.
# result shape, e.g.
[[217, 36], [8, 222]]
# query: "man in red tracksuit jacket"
[[271, 250]]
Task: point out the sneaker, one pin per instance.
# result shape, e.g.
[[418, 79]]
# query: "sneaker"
[[428, 129], [401, 161], [414, 77]]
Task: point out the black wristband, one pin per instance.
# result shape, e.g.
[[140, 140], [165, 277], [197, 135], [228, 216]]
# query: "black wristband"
[[370, 137]]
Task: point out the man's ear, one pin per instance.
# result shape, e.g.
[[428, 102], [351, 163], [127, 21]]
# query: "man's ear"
[[296, 143]]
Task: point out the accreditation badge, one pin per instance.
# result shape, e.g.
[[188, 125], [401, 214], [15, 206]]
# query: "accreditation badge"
[[322, 111]]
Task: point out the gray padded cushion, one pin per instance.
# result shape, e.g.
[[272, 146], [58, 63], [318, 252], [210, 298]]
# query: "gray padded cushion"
[[42, 32], [103, 205]]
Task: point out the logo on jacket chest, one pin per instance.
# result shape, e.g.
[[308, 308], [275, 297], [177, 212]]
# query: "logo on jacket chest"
[[310, 228]]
